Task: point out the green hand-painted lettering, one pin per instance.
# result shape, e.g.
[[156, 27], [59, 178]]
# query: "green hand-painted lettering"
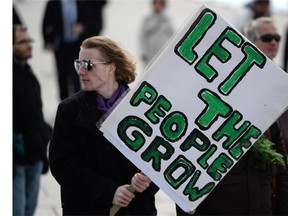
[[197, 139], [252, 57], [215, 107], [180, 164], [158, 150], [194, 193], [236, 150], [139, 140], [145, 93], [174, 126], [228, 129], [203, 67], [158, 108], [202, 160], [219, 165], [185, 48]]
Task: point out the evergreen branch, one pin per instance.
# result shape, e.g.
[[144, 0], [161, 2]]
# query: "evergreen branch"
[[266, 154]]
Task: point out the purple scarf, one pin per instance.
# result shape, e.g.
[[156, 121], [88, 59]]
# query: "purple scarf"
[[105, 104]]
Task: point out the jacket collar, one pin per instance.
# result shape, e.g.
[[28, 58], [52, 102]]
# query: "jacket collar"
[[89, 114]]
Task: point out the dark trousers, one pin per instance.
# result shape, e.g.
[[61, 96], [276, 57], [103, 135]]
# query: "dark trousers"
[[68, 79]]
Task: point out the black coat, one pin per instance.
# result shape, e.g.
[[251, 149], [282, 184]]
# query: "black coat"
[[89, 13], [30, 131], [88, 167]]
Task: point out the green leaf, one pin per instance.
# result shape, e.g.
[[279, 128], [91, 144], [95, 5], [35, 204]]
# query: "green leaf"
[[266, 155]]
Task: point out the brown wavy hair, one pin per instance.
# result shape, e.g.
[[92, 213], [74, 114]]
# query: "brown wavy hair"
[[112, 52]]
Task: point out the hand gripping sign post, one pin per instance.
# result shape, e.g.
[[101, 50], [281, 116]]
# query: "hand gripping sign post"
[[199, 107]]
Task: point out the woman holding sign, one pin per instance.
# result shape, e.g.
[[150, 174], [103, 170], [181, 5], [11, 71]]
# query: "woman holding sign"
[[92, 173]]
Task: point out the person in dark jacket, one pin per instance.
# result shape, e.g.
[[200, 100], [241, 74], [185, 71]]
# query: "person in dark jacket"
[[253, 9], [92, 173], [16, 20], [65, 24], [246, 188], [31, 133], [281, 190], [266, 37], [280, 198]]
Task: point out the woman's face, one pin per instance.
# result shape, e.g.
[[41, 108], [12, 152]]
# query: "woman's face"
[[101, 75]]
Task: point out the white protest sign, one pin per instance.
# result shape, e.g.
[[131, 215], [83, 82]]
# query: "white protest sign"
[[201, 105]]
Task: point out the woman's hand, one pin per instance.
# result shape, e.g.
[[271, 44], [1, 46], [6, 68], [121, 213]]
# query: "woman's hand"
[[123, 196], [140, 182]]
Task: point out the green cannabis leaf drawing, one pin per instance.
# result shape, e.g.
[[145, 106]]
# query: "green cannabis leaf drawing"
[[266, 154]]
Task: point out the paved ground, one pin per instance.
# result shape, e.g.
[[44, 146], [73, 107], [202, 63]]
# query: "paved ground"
[[122, 21]]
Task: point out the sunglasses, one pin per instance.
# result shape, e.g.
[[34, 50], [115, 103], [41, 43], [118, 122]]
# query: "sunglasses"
[[86, 63], [267, 38]]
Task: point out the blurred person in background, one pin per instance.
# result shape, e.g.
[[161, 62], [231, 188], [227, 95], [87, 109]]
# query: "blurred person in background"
[[156, 29], [281, 198], [31, 133], [66, 23], [266, 37], [252, 10], [16, 19]]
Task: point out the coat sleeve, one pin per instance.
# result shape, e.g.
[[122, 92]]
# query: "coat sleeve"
[[67, 165]]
